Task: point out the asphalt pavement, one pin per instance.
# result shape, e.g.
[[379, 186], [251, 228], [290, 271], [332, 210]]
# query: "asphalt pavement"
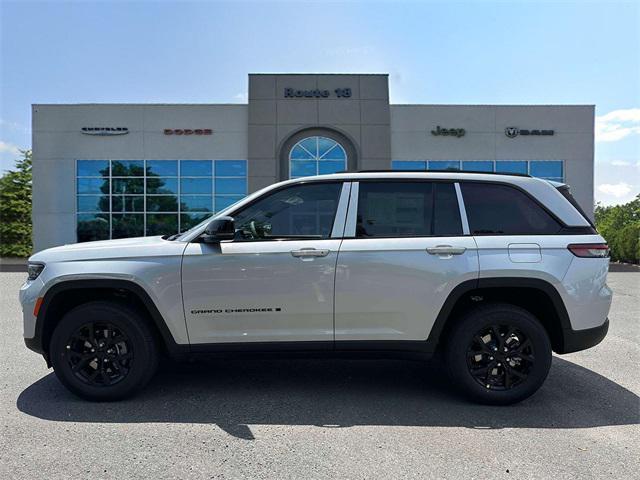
[[301, 418]]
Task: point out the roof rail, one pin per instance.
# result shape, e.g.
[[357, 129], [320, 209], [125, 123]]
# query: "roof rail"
[[438, 171]]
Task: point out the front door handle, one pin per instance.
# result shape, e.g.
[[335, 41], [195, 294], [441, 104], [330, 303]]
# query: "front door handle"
[[446, 250], [309, 252]]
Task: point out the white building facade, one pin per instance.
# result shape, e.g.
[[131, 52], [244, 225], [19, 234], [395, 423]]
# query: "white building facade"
[[105, 171]]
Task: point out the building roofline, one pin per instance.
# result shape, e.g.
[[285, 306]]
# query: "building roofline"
[[323, 73], [492, 105], [121, 104]]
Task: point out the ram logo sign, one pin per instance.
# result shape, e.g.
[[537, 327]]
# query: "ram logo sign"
[[513, 132]]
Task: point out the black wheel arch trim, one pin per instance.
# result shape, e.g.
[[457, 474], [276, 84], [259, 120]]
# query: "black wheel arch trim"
[[571, 340], [37, 342]]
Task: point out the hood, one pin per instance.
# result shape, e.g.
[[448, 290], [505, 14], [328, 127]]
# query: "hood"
[[108, 249]]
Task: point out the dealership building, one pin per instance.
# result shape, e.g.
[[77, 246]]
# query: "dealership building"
[[105, 171]]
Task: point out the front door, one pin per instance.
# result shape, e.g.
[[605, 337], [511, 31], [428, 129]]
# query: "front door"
[[275, 282]]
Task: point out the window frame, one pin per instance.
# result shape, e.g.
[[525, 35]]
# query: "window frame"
[[350, 228]]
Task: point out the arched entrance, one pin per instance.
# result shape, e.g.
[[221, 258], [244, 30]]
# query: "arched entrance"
[[316, 151]]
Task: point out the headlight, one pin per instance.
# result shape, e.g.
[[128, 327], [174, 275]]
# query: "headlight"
[[34, 270]]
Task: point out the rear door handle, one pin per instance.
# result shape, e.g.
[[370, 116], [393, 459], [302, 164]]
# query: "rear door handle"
[[309, 252], [446, 250]]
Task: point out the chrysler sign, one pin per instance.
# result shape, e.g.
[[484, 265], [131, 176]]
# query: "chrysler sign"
[[105, 131]]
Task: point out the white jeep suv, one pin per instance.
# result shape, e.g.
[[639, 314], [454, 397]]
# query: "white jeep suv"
[[493, 271]]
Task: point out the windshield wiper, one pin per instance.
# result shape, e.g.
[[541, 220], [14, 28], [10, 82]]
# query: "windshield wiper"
[[171, 238]]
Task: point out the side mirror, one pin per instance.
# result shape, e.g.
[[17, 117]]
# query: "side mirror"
[[221, 228]]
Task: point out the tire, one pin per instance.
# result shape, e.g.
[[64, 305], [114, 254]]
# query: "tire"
[[103, 351], [481, 368]]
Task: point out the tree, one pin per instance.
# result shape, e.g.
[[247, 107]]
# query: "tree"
[[620, 226], [15, 209]]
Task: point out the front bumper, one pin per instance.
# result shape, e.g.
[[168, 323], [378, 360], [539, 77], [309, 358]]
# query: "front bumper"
[[34, 344], [576, 340]]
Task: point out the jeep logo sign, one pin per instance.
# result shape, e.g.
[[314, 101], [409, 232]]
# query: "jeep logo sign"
[[104, 131], [513, 132], [451, 132]]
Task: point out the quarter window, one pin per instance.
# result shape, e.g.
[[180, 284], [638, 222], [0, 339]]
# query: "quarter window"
[[297, 212], [494, 209], [407, 209]]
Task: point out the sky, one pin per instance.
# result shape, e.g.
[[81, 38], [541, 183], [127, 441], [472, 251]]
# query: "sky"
[[450, 53]]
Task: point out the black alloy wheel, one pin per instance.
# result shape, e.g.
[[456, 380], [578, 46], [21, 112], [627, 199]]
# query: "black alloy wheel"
[[104, 350], [99, 354], [500, 357], [497, 353]]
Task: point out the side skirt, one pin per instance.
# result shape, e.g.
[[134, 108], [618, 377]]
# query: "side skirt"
[[345, 349]]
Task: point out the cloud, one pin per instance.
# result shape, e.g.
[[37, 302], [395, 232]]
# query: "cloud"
[[9, 148], [618, 124], [241, 97], [620, 163], [617, 190], [14, 126]]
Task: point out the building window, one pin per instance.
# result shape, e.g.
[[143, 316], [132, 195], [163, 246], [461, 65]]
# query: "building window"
[[316, 156], [128, 198], [451, 165], [507, 166], [547, 169], [477, 166]]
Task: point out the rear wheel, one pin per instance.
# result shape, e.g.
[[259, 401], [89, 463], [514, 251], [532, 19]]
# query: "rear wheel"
[[498, 354], [103, 351]]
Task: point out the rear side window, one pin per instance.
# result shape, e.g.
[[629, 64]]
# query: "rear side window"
[[407, 209], [502, 210]]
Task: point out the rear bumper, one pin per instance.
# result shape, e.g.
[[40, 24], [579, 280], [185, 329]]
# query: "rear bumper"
[[576, 340]]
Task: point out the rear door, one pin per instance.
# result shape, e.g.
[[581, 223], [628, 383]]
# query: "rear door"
[[406, 247]]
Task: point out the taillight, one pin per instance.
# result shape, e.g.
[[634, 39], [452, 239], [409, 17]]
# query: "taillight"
[[589, 250]]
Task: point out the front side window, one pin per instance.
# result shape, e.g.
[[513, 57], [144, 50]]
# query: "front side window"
[[407, 209], [494, 209], [316, 156], [298, 212]]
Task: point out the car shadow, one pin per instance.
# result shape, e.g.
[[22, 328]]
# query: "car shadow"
[[234, 394]]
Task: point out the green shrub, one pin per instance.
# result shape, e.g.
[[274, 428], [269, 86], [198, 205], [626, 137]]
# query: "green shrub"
[[620, 226], [15, 209]]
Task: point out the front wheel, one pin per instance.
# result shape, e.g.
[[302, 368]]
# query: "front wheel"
[[498, 354], [103, 351]]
